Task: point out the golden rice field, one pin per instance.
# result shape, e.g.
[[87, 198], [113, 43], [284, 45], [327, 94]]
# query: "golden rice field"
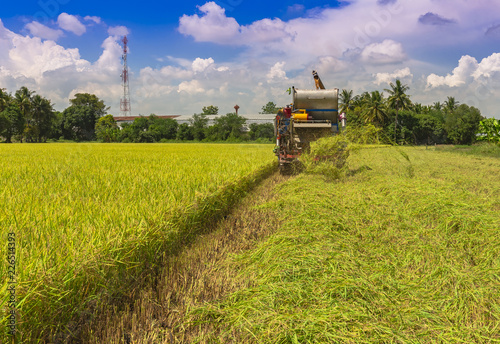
[[85, 215]]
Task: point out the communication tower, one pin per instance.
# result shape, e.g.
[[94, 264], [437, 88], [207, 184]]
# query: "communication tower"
[[125, 101]]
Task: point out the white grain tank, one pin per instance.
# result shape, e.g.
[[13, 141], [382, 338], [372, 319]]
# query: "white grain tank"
[[319, 104]]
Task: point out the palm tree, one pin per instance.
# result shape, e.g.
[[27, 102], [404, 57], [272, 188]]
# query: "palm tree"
[[5, 99], [43, 113], [346, 100], [374, 108], [450, 104], [419, 108], [399, 100], [360, 99], [23, 100], [437, 106]]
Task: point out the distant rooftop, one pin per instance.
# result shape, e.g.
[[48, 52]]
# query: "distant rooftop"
[[131, 118]]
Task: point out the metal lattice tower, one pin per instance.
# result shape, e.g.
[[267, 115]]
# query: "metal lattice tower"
[[125, 101]]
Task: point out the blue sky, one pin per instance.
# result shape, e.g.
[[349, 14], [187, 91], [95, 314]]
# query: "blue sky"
[[188, 54]]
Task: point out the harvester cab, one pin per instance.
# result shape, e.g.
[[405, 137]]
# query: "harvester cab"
[[313, 114]]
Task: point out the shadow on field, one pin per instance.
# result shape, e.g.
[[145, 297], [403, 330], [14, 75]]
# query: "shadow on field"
[[198, 273]]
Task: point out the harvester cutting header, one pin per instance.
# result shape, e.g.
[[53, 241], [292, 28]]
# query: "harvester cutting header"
[[313, 114]]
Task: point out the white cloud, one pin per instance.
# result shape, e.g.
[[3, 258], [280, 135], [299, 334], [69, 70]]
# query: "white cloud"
[[110, 57], [212, 26], [472, 83], [31, 58], [200, 65], [191, 87], [181, 61], [71, 23], [277, 73], [356, 46], [489, 67], [56, 72], [118, 31], [401, 74], [175, 73], [460, 75], [387, 52], [265, 30], [42, 31], [95, 19]]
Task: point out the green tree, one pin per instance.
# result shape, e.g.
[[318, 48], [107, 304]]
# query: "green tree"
[[407, 124], [5, 99], [80, 118], [22, 98], [199, 124], [489, 130], [261, 131], [106, 129], [418, 108], [269, 108], [79, 123], [126, 134], [437, 106], [229, 126], [138, 130], [92, 102], [184, 133], [11, 122], [374, 109], [163, 128], [398, 100], [360, 99], [450, 105], [57, 126], [42, 117], [210, 110], [429, 129], [462, 124], [346, 101]]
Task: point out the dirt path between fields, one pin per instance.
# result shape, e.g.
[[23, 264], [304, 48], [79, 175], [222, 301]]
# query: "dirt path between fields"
[[199, 274]]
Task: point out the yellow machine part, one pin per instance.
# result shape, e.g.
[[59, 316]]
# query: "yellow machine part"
[[301, 115]]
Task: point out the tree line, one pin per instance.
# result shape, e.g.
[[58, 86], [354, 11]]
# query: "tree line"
[[230, 127], [401, 121], [28, 117]]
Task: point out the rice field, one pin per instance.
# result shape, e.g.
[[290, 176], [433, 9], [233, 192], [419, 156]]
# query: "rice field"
[[404, 248], [86, 215]]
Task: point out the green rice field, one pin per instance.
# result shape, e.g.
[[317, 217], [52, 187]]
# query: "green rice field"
[[86, 215], [401, 245], [403, 248]]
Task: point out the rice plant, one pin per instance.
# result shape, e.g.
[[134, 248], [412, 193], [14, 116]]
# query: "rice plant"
[[88, 216], [384, 254]]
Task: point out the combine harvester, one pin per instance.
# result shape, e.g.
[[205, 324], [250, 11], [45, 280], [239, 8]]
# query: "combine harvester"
[[312, 115]]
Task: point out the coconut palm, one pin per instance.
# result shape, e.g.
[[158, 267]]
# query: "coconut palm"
[[346, 100], [399, 100], [43, 113], [360, 99], [450, 104], [374, 108], [5, 99], [23, 100], [420, 109]]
